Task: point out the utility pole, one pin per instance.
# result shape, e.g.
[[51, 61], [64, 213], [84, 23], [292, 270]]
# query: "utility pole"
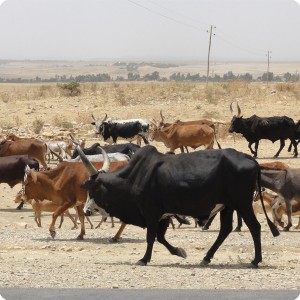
[[268, 67], [209, 46]]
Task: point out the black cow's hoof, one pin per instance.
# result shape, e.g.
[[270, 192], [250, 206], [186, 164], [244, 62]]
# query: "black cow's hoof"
[[114, 240], [204, 263], [238, 229], [253, 265], [79, 238], [141, 263], [205, 228], [286, 229], [181, 252]]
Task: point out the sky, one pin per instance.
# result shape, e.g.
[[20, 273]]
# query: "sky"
[[150, 30]]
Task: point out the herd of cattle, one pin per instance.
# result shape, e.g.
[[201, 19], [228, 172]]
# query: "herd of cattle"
[[144, 187]]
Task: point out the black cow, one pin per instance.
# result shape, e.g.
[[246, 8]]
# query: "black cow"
[[127, 129], [12, 169], [128, 149], [272, 128], [153, 184]]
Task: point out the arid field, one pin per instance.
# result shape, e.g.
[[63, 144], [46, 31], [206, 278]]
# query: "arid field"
[[29, 257]]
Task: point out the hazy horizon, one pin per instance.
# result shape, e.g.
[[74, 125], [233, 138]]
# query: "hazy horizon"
[[155, 30]]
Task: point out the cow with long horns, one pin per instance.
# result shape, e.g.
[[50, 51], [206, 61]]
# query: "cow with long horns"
[[197, 184], [270, 128], [126, 129]]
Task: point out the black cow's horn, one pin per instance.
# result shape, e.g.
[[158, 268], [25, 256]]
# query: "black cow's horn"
[[104, 118], [93, 117], [106, 162], [239, 110], [89, 166], [231, 110]]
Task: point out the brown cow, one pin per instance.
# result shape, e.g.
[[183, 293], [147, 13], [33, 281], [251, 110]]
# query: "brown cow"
[[274, 165], [32, 147], [179, 136], [193, 122], [62, 186]]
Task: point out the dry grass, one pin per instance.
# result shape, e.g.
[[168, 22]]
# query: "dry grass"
[[25, 103]]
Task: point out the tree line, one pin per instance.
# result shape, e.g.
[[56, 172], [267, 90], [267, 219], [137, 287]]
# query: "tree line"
[[155, 76]]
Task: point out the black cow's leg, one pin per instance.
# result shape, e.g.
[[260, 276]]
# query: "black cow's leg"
[[251, 150], [295, 144], [239, 223], [151, 235], [282, 144], [162, 228], [145, 140], [254, 227], [20, 206], [208, 223], [256, 148], [226, 227]]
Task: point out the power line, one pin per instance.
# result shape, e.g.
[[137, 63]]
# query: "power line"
[[254, 53], [178, 14], [164, 16]]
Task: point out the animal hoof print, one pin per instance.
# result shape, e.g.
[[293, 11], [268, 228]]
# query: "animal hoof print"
[[181, 252], [141, 263]]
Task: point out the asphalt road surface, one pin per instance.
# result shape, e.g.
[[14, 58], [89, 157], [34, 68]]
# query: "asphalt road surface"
[[146, 294]]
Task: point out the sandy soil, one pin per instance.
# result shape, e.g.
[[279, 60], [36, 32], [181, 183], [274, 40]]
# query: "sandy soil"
[[30, 258]]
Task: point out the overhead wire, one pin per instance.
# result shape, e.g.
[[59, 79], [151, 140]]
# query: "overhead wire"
[[256, 53]]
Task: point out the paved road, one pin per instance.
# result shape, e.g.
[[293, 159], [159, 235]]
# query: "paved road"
[[143, 294]]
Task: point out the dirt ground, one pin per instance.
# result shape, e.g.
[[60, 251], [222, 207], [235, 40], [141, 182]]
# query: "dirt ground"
[[29, 257]]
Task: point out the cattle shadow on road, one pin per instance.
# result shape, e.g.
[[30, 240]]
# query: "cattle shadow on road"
[[275, 158], [172, 266], [100, 240], [16, 210]]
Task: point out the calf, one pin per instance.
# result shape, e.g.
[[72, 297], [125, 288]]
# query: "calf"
[[61, 185], [280, 209]]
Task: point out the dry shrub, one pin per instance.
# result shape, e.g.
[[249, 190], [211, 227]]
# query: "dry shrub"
[[59, 121], [213, 93], [37, 125], [211, 115], [84, 118], [5, 97], [121, 96], [285, 87]]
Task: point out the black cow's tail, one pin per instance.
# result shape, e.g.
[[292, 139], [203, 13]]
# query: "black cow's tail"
[[272, 226]]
